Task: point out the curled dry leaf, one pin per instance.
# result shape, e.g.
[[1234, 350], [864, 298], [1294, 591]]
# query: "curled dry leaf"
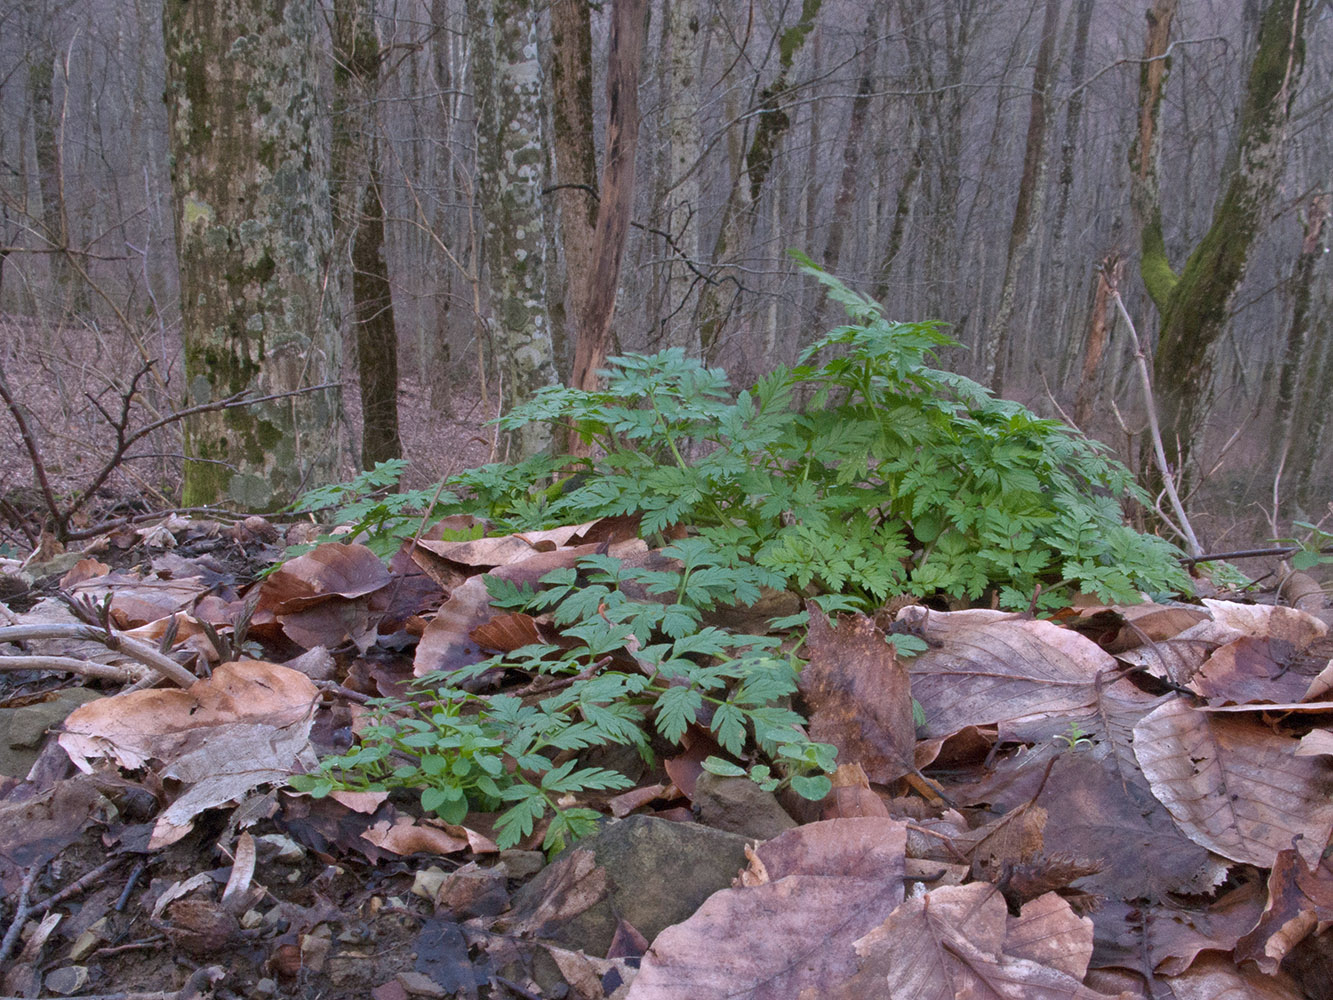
[[827, 884], [407, 835], [1300, 899], [331, 570], [246, 725], [1267, 621], [1235, 786], [987, 668], [959, 941]]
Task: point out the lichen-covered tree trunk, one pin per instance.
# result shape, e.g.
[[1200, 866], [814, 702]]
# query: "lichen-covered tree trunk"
[[718, 298], [253, 229], [359, 225], [684, 140], [510, 162], [1194, 305]]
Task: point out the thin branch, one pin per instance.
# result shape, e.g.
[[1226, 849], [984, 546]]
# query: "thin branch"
[[1154, 431], [111, 639]]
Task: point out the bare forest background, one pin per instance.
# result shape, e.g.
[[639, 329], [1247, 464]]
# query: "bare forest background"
[[1008, 167]]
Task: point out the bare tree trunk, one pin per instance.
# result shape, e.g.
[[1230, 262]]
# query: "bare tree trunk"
[[1296, 372], [613, 211], [851, 150], [575, 150], [253, 231], [359, 230], [1085, 401], [716, 299], [1028, 208]]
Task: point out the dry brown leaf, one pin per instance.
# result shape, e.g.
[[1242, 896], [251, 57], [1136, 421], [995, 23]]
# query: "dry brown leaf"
[[331, 570], [859, 695], [247, 724], [1215, 977], [1175, 660], [992, 668], [446, 644], [1300, 899], [829, 883], [1235, 786], [958, 941], [502, 550], [1267, 621], [851, 795], [408, 835], [1314, 743], [1250, 670]]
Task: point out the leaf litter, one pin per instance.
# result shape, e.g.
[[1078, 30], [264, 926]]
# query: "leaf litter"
[[1121, 802]]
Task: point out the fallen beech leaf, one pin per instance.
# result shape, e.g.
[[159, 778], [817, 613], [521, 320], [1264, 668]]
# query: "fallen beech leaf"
[[1267, 621], [1315, 743], [407, 835], [502, 550], [1299, 900], [1166, 937], [446, 644], [827, 883], [852, 795], [987, 668], [859, 695], [958, 941], [331, 570], [246, 725], [1215, 977], [1235, 786], [1250, 670]]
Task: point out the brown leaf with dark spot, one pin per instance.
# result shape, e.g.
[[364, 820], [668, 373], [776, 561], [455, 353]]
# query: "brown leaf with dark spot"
[[859, 696], [331, 570]]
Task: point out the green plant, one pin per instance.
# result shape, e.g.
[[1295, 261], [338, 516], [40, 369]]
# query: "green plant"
[[632, 664], [1314, 548], [868, 475]]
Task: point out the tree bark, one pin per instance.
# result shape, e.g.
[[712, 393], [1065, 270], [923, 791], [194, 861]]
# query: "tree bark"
[[715, 302], [1195, 304], [1300, 373], [510, 162], [613, 211], [1028, 207], [575, 147], [683, 206], [253, 232], [359, 229]]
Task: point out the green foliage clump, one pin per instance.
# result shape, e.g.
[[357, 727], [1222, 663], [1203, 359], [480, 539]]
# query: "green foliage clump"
[[860, 474], [635, 664], [871, 474]]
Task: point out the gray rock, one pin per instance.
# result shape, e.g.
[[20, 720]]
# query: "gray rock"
[[23, 729], [738, 805], [658, 873]]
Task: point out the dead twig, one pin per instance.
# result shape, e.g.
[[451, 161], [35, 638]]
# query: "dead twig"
[[108, 637], [1159, 453], [22, 911]]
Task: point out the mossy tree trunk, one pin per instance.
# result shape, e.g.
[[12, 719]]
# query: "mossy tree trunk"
[[510, 159], [253, 230], [1194, 303], [359, 227], [719, 298]]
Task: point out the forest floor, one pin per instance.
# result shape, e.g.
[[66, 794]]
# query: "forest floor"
[[1039, 837]]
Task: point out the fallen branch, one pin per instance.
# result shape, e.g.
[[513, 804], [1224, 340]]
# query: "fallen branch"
[[158, 662]]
